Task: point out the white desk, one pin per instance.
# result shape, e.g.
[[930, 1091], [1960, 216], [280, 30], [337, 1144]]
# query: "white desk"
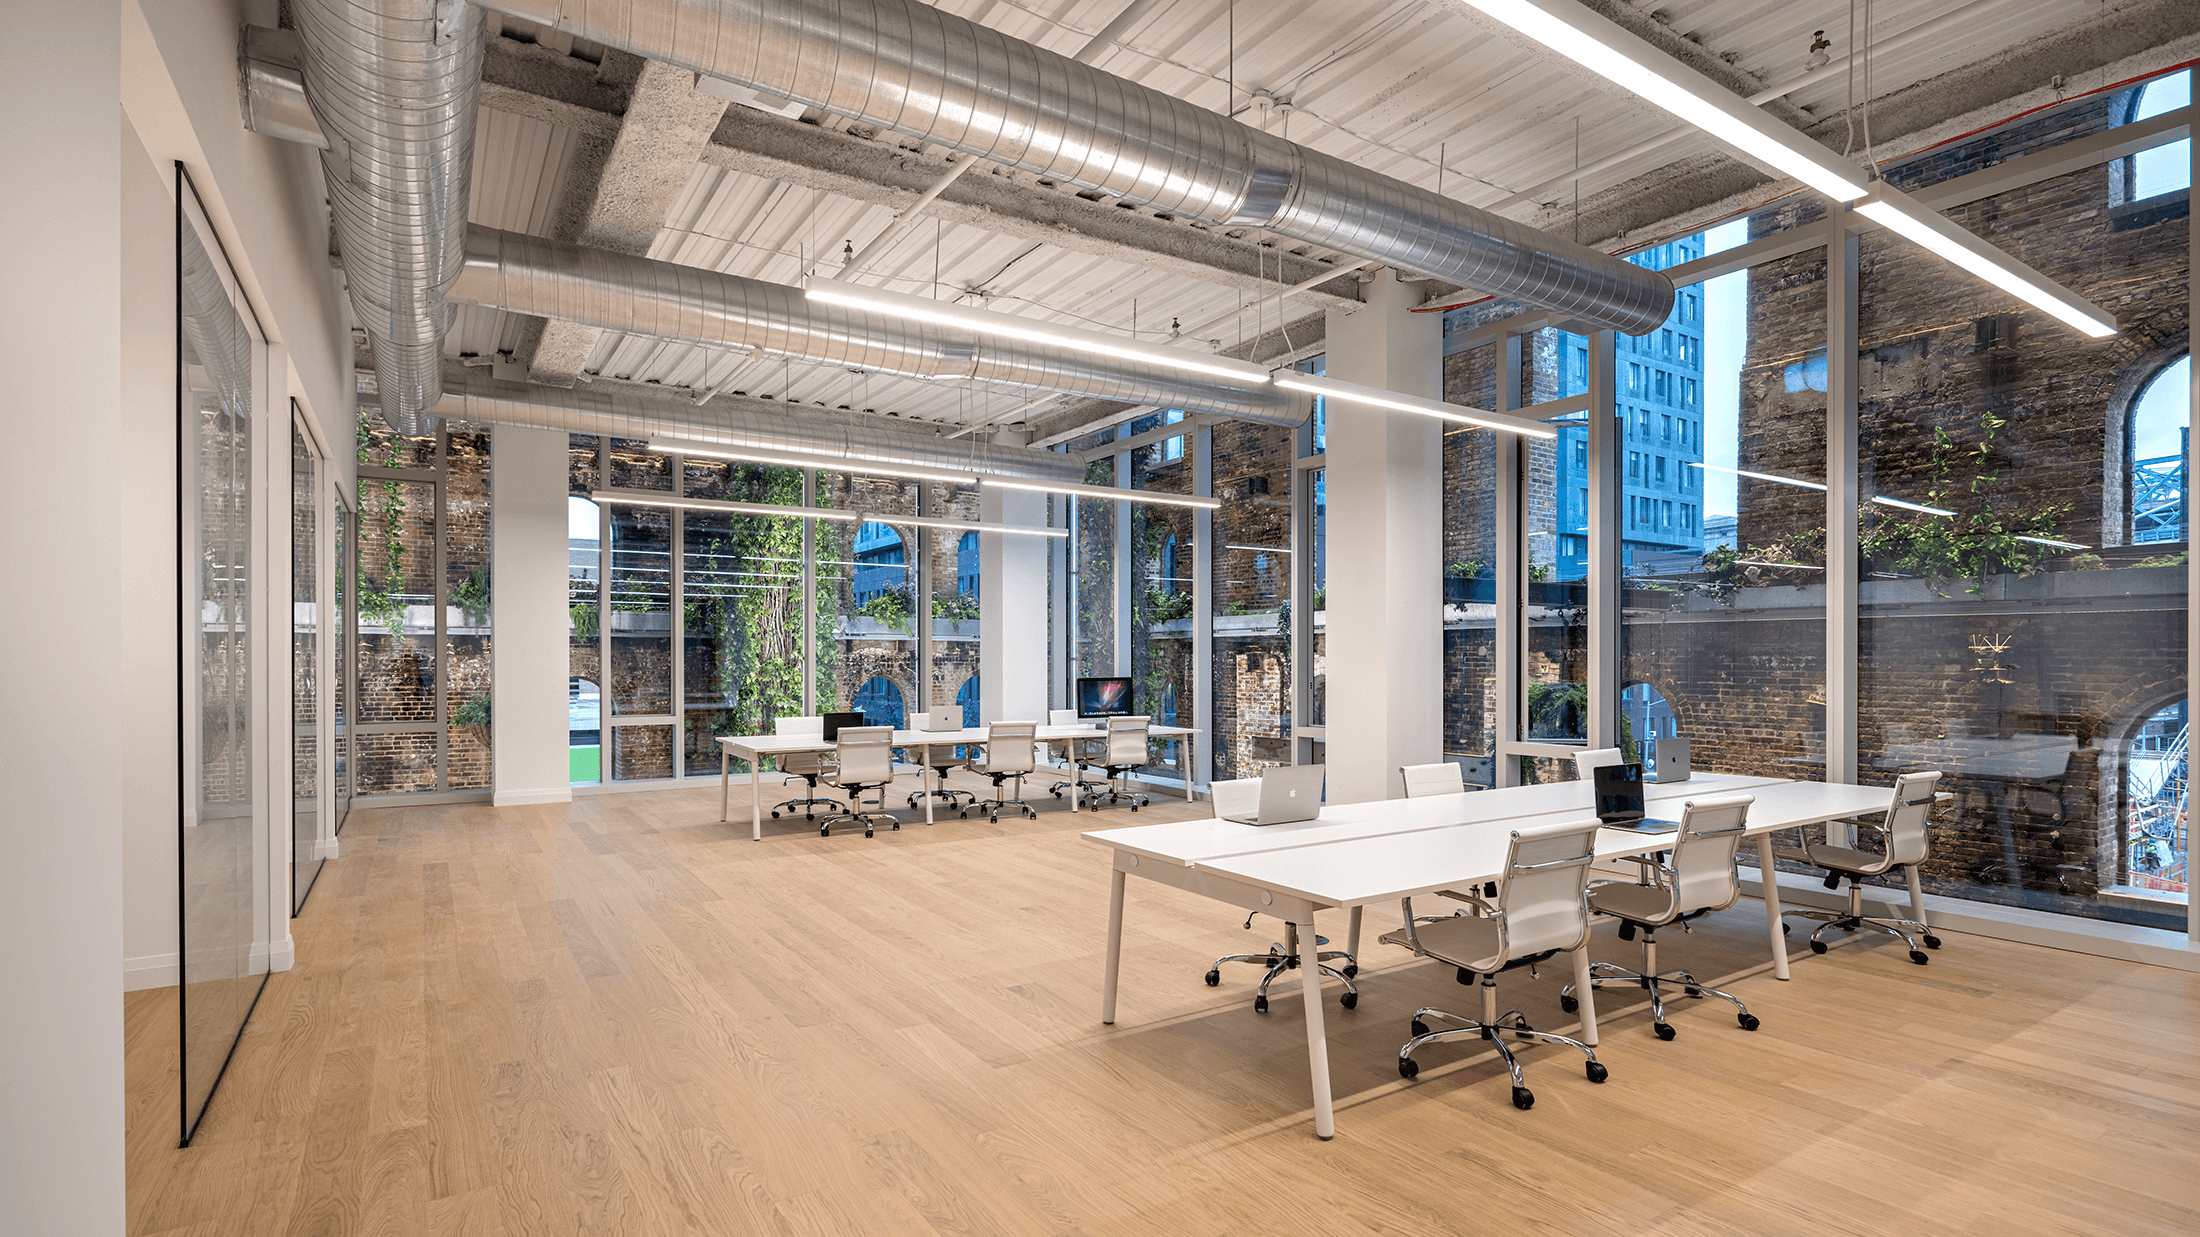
[[1292, 875], [754, 747]]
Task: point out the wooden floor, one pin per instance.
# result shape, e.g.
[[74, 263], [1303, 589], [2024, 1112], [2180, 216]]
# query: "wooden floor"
[[624, 1017]]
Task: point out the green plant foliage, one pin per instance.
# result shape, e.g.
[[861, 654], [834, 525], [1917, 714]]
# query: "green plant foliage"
[[1538, 573], [891, 607], [475, 712], [1985, 542], [1468, 570], [960, 608], [471, 596], [585, 625]]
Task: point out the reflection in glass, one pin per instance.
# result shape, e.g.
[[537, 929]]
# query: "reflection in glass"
[[305, 632], [866, 588], [1250, 562], [1162, 594]]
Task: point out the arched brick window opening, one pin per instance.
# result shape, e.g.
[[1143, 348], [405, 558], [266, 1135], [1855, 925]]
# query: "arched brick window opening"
[[881, 702], [2137, 180], [2155, 826], [1645, 717], [2158, 437], [966, 697]]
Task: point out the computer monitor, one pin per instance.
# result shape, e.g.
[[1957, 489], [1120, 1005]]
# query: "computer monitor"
[[834, 721], [1104, 697]]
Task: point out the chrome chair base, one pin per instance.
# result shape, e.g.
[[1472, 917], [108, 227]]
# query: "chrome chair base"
[[1492, 1027], [1601, 973], [994, 807], [805, 806], [868, 820], [1911, 932], [1281, 958], [952, 797]]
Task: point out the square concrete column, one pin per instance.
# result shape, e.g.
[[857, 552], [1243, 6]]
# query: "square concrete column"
[[531, 545], [1012, 609], [1385, 594]]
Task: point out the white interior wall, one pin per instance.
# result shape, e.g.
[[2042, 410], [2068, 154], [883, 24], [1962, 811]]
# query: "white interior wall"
[[529, 549], [65, 735], [1384, 598], [1012, 609]]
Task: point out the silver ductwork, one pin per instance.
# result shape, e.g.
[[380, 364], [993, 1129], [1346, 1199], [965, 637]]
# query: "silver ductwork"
[[209, 321], [855, 440], [643, 296], [393, 86], [906, 66]]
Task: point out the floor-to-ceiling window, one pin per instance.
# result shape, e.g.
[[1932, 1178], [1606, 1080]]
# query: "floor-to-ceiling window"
[[1250, 563], [305, 679], [1162, 593]]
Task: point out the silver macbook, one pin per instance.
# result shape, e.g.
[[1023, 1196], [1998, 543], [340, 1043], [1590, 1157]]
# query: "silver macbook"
[[1672, 758], [937, 720], [1289, 793]]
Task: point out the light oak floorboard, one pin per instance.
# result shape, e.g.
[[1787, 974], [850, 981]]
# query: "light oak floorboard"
[[621, 1016]]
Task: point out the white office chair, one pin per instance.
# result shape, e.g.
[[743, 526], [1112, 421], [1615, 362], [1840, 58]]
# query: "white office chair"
[[866, 762], [1541, 911], [1904, 832], [1241, 797], [1587, 763], [1071, 749], [1008, 754], [942, 762], [1124, 751], [1441, 778], [1701, 877], [807, 767]]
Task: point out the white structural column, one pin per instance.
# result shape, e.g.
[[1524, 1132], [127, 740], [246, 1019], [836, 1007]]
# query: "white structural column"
[[1842, 496], [1012, 609], [530, 545], [1384, 602], [61, 905]]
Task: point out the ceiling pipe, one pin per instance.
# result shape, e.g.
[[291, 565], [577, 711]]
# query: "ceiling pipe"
[[927, 74], [393, 87], [732, 421], [643, 296]]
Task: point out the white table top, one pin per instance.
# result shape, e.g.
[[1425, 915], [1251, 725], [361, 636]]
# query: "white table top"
[[1402, 865], [1190, 842], [769, 744]]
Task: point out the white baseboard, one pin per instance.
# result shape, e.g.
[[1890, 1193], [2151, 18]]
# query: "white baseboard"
[[324, 849], [149, 971], [2100, 938], [275, 955], [521, 798]]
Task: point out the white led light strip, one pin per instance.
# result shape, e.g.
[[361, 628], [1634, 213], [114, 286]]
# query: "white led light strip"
[[1353, 392], [790, 459], [1104, 492]]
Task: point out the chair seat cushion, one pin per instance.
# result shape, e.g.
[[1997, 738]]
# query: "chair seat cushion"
[[1842, 859], [1462, 940], [1645, 904]]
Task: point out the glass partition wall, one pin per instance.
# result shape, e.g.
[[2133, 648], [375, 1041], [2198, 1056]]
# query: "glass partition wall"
[[305, 637]]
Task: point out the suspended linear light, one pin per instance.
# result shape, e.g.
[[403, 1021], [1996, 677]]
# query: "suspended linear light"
[[1761, 476], [1354, 393], [986, 322], [2050, 541], [975, 526], [1263, 549], [630, 499], [1603, 47], [791, 459], [1929, 229], [1884, 501], [1103, 491]]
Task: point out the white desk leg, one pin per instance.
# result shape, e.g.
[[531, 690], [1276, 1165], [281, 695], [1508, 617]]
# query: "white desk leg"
[[927, 749], [725, 781], [1588, 996], [1114, 963], [756, 798], [1317, 1038], [1352, 937], [1768, 878]]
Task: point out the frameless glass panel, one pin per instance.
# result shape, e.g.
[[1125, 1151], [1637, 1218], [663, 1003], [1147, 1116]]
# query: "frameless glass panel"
[[396, 591], [1092, 557], [340, 689], [305, 635], [470, 741], [866, 584], [1250, 562], [2023, 539], [1723, 630], [1473, 377], [584, 610], [641, 610], [954, 562], [221, 854], [742, 613], [1163, 596]]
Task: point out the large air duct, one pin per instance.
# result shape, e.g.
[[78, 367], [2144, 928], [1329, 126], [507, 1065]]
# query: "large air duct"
[[393, 85], [855, 440], [906, 66], [643, 296]]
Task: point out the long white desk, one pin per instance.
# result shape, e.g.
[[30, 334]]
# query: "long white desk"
[[1362, 858], [754, 747]]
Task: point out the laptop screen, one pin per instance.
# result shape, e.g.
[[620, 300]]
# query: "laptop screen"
[[1619, 792]]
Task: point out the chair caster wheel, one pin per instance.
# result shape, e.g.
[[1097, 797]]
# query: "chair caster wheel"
[[1351, 970], [1748, 1021], [1818, 947], [1569, 1004], [1408, 1067], [1597, 1072], [1694, 991], [825, 831], [1787, 929], [1848, 927], [775, 816], [1349, 1000], [1919, 956], [1419, 1028], [1524, 1031], [1260, 1005], [1523, 1099], [1931, 941], [1664, 1030], [995, 818], [1032, 812], [869, 834], [1214, 978], [1134, 807], [897, 826]]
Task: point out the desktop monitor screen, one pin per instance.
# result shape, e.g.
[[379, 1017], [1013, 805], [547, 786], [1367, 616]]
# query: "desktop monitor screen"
[[1104, 697], [834, 721]]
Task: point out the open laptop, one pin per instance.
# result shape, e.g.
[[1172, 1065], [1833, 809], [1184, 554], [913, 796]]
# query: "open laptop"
[[1620, 801], [834, 721], [1671, 754], [1287, 793], [939, 720]]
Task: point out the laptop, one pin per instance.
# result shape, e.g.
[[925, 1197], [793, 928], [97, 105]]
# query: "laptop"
[[834, 721], [1672, 758], [1620, 801], [1287, 793], [938, 720]]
